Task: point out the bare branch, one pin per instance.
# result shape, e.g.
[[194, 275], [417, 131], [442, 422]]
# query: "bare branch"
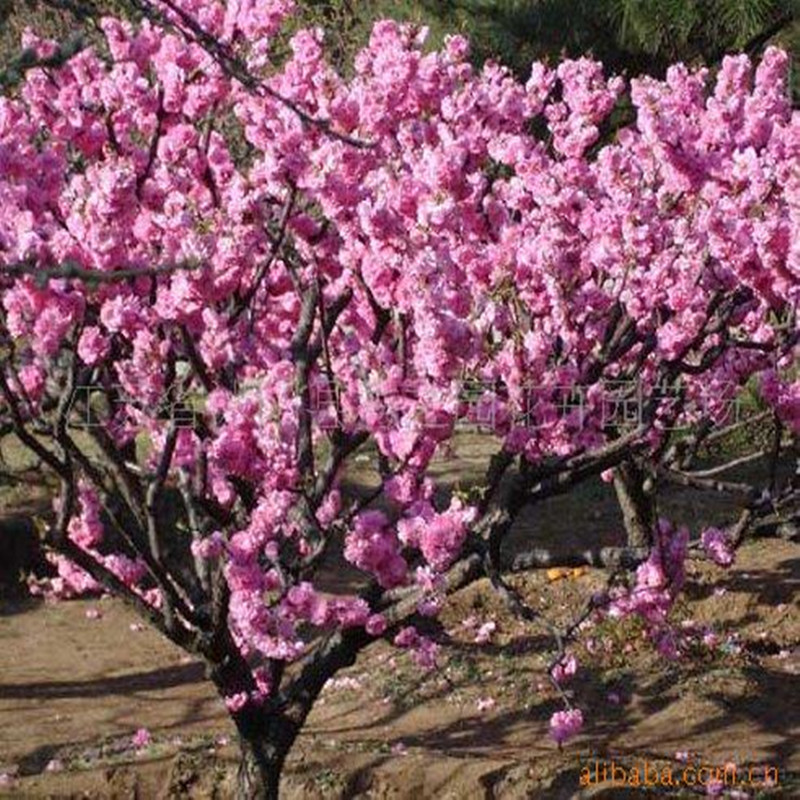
[[23, 434], [728, 465], [153, 150], [71, 271], [275, 249], [708, 484]]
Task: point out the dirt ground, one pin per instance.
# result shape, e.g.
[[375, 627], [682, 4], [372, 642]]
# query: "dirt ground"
[[74, 689]]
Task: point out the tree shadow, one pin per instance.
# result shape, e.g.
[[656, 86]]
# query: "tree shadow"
[[37, 760], [772, 706], [165, 678], [18, 604], [470, 737], [771, 587], [526, 644], [21, 554]]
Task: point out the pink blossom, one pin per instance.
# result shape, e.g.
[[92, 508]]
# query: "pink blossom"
[[658, 580], [484, 633], [210, 547], [407, 637], [376, 625], [236, 702], [141, 739], [92, 346], [423, 650], [32, 378], [442, 536], [351, 612], [565, 669], [565, 724], [485, 704], [307, 604], [373, 547], [718, 546], [425, 653], [429, 580], [430, 606]]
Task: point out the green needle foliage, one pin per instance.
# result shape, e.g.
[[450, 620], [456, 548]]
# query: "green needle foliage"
[[629, 36]]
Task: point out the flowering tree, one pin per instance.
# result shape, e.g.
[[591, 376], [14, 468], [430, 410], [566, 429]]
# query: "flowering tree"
[[224, 278]]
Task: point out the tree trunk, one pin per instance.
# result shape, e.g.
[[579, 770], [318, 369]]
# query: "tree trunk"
[[266, 735], [635, 502], [265, 738], [260, 770]]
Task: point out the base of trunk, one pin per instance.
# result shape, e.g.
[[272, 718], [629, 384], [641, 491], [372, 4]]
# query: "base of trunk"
[[259, 775]]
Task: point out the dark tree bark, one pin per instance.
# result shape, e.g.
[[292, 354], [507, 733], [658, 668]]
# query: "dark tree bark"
[[635, 502], [265, 739], [261, 766]]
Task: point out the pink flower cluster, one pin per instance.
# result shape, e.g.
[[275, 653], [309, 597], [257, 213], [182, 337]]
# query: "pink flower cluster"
[[658, 580], [86, 530], [373, 546]]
